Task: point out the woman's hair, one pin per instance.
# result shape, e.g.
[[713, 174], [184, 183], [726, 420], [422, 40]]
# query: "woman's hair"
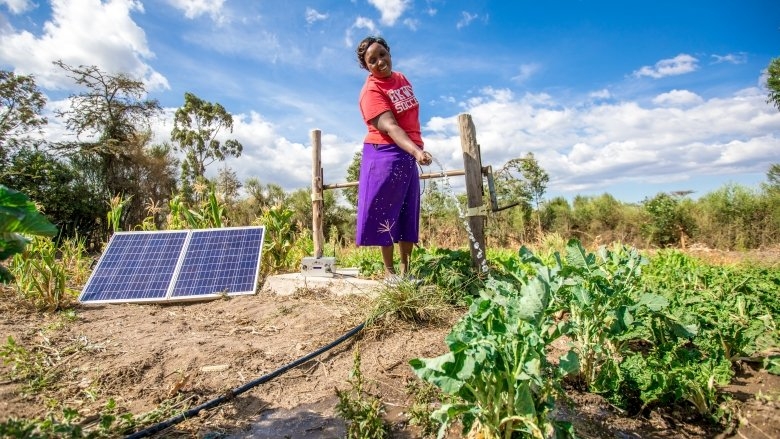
[[365, 44]]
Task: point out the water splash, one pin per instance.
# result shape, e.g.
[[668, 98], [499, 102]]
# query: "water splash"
[[462, 215]]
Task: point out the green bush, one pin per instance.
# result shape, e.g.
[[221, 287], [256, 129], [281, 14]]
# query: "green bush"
[[18, 218]]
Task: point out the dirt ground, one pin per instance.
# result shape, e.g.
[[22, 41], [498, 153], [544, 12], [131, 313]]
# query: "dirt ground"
[[142, 355]]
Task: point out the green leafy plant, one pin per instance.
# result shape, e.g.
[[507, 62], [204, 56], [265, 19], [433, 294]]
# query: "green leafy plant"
[[75, 260], [733, 308], [210, 214], [283, 244], [116, 207], [670, 374], [497, 365], [213, 210], [451, 270], [18, 218], [717, 316], [362, 413], [605, 310], [175, 218], [110, 423], [41, 277], [426, 398], [45, 428]]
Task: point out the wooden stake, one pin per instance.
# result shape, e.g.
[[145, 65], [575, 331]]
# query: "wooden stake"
[[317, 201], [477, 212]]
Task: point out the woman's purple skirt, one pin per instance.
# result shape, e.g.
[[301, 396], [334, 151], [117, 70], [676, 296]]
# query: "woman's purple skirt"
[[388, 208]]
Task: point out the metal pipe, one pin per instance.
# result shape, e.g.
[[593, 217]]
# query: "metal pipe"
[[452, 173]]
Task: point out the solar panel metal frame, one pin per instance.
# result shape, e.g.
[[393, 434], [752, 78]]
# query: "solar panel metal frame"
[[146, 268]]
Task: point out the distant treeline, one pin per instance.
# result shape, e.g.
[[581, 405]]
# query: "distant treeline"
[[733, 217]]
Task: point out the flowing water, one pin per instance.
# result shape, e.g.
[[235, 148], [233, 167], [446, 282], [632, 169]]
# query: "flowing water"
[[462, 215]]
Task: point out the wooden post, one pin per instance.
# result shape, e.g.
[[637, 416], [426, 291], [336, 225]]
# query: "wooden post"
[[316, 192], [476, 213]]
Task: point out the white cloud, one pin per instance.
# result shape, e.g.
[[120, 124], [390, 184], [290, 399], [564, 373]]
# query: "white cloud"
[[195, 8], [466, 19], [275, 159], [589, 147], [600, 94], [679, 65], [390, 10], [411, 23], [732, 58], [526, 71], [18, 6], [84, 32], [360, 23], [585, 147], [677, 98], [312, 15]]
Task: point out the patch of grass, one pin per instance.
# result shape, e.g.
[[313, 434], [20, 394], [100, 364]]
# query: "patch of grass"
[[283, 310], [64, 318], [30, 367], [70, 423], [409, 301]]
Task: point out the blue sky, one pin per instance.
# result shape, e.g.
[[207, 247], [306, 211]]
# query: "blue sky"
[[628, 98]]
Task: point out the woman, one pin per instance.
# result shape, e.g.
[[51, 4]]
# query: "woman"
[[388, 208]]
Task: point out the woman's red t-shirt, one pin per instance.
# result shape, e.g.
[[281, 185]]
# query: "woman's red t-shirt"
[[390, 94]]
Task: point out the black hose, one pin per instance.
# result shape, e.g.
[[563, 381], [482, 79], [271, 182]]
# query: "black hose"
[[239, 390]]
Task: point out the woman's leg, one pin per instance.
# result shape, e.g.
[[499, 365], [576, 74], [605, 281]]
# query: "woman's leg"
[[387, 258], [405, 248]]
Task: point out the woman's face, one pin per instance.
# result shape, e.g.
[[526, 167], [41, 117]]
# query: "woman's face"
[[378, 61]]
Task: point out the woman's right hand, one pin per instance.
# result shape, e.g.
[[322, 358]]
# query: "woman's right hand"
[[424, 158]]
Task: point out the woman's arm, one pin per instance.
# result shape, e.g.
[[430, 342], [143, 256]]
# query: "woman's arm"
[[387, 124]]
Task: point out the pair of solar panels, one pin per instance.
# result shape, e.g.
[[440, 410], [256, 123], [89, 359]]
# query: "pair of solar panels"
[[160, 266]]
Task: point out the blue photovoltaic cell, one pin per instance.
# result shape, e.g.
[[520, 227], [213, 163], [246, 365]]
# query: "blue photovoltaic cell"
[[135, 266], [180, 265], [220, 261]]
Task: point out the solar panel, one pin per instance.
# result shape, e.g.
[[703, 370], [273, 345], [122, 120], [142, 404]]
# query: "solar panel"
[[161, 266]]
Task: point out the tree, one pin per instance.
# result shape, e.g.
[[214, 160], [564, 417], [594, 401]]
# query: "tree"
[[669, 221], [66, 196], [150, 174], [557, 216], [21, 104], [536, 180], [773, 83], [112, 108], [113, 114], [437, 203], [267, 195], [259, 199], [522, 181], [336, 219], [196, 127], [228, 185], [737, 217], [772, 196], [773, 176], [509, 187], [353, 174]]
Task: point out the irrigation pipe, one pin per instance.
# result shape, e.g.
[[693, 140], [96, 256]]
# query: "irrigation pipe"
[[239, 390]]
